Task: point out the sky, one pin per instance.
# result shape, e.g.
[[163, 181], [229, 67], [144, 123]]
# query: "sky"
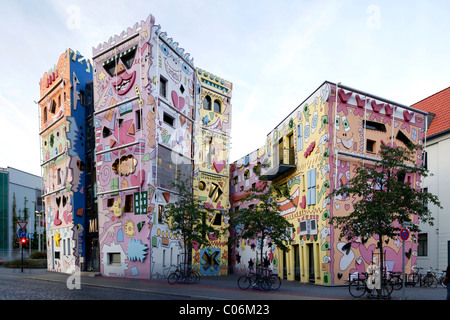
[[276, 53]]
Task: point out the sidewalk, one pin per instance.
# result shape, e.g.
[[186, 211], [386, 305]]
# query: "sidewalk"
[[217, 288]]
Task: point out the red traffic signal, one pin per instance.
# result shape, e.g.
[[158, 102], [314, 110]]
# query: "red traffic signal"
[[23, 240]]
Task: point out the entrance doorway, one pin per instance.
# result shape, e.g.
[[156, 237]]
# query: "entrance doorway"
[[297, 262], [284, 265], [311, 262], [93, 255]]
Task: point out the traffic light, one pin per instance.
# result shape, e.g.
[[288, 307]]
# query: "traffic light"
[[23, 241]]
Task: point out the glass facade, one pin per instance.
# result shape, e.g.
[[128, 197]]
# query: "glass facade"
[[3, 211]]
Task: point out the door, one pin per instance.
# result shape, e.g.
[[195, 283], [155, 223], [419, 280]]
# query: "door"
[[297, 262], [291, 150], [311, 262]]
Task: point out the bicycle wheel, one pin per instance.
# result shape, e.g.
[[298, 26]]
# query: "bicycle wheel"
[[195, 276], [244, 282], [173, 278], [429, 281], [357, 288], [264, 283], [386, 289], [275, 282], [413, 278], [397, 283]]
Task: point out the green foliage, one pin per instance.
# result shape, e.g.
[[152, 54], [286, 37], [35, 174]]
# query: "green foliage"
[[38, 255], [27, 263], [263, 220], [187, 217]]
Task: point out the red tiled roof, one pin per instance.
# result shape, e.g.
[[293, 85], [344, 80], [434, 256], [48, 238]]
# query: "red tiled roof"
[[439, 104]]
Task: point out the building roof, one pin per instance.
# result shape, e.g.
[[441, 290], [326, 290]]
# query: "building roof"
[[437, 104]]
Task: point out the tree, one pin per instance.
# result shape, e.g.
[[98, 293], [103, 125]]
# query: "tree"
[[263, 220], [187, 217], [385, 197]]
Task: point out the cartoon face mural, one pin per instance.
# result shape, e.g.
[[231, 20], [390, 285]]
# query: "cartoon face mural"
[[124, 105], [362, 125], [144, 102]]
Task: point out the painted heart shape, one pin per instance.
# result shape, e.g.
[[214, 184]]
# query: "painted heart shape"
[[407, 115], [178, 102], [219, 165]]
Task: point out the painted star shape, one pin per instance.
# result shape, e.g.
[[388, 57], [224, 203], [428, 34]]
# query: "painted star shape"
[[205, 120]]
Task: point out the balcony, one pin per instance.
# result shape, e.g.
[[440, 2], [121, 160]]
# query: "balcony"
[[281, 164]]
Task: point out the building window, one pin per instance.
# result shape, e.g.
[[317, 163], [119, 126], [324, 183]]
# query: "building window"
[[311, 193], [370, 146], [58, 175], [163, 86], [53, 107], [217, 219], [128, 203], [217, 106], [423, 244], [209, 150], [139, 119], [403, 138], [207, 103], [68, 247], [44, 115], [114, 258], [425, 159], [160, 214], [371, 125], [300, 137], [167, 118]]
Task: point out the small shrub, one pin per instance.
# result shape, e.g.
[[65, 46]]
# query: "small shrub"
[[27, 263], [38, 255]]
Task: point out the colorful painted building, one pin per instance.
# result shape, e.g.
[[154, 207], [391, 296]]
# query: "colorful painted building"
[[151, 124], [64, 92], [316, 149], [244, 175], [211, 167]]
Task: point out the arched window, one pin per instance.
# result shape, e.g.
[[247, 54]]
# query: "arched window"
[[216, 106], [53, 107], [207, 103]]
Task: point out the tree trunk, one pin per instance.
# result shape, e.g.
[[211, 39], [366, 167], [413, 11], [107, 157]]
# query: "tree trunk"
[[380, 245]]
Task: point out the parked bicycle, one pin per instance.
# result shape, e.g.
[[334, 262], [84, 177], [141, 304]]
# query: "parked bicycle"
[[183, 274], [358, 287], [263, 279], [432, 280], [441, 279], [415, 278], [396, 279]]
